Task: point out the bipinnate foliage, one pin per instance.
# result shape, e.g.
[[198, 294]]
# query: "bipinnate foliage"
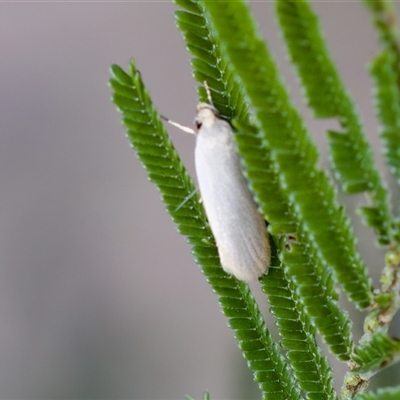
[[351, 156], [376, 352], [155, 150], [314, 253], [388, 107], [381, 394]]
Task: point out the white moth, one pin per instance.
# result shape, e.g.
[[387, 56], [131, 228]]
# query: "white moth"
[[238, 227]]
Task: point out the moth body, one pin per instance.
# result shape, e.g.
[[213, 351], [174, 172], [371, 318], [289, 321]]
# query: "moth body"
[[237, 225]]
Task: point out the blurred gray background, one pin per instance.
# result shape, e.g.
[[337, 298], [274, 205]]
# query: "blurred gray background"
[[99, 295]]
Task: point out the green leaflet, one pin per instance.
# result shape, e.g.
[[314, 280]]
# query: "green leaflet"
[[391, 393], [384, 17], [376, 353], [310, 366], [158, 156], [351, 156], [294, 155], [206, 396], [207, 63], [320, 297], [314, 283], [387, 103]]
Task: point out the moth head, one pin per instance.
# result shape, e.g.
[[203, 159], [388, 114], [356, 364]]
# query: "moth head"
[[206, 115]]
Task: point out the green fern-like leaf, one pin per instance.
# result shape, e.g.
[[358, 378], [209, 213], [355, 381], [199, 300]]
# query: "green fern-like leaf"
[[384, 17], [376, 353], [391, 393], [387, 101], [207, 63], [298, 200], [263, 179], [314, 283], [206, 396], [298, 337], [230, 97], [148, 136], [351, 156], [294, 156]]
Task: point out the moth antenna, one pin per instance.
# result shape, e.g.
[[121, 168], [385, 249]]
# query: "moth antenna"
[[179, 126], [208, 91]]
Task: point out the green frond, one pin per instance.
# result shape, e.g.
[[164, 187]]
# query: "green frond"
[[292, 152], [316, 243], [298, 335], [206, 396], [376, 353], [351, 156], [263, 356], [230, 97], [313, 283], [207, 62], [387, 103], [384, 16], [158, 156], [264, 182], [390, 393]]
